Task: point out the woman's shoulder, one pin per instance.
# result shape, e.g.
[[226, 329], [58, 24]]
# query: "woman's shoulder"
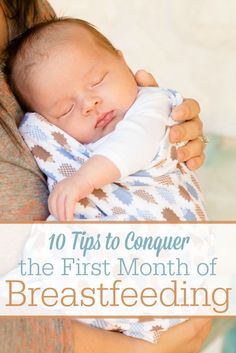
[[9, 107], [23, 189]]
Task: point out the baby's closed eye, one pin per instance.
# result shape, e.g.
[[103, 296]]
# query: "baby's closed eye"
[[98, 80], [67, 111]]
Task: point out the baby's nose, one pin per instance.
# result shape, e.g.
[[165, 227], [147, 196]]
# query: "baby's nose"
[[90, 105]]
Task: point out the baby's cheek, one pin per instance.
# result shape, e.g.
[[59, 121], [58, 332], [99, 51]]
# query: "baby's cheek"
[[127, 98], [131, 97], [132, 89]]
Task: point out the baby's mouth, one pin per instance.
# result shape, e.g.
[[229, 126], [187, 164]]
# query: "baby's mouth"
[[104, 119]]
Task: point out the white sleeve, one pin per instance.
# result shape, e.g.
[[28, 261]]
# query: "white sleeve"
[[135, 141]]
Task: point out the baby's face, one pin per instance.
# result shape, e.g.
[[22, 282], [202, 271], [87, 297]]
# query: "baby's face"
[[83, 89]]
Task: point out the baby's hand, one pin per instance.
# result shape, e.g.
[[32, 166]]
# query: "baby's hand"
[[66, 193]]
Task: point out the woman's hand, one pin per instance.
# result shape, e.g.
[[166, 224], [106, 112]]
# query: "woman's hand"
[[187, 337], [189, 130]]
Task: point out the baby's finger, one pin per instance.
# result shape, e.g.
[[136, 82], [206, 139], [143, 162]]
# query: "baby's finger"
[[52, 204], [186, 111], [190, 150], [186, 131], [60, 204], [196, 162], [69, 208]]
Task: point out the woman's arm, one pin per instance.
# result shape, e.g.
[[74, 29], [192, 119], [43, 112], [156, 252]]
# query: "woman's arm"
[[189, 130], [187, 337]]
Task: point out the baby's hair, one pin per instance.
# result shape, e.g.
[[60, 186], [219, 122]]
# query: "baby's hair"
[[30, 47]]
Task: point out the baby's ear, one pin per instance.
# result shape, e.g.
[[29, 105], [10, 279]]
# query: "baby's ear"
[[120, 54]]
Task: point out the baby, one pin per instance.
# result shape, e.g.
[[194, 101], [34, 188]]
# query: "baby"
[[101, 140], [105, 129]]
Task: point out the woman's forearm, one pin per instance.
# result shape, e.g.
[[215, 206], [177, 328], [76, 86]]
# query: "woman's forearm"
[[187, 337], [92, 340]]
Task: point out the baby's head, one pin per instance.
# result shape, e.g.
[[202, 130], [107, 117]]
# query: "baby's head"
[[72, 75]]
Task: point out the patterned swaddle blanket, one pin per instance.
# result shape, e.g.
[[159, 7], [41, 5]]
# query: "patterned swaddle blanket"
[[168, 191]]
